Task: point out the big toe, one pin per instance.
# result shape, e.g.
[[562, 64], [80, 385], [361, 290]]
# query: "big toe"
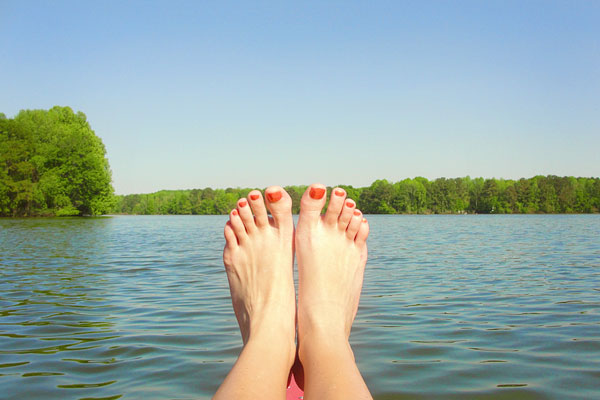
[[311, 204], [279, 204]]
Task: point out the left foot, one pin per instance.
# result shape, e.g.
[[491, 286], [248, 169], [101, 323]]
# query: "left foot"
[[258, 258]]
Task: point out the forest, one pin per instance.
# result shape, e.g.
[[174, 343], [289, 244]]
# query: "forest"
[[539, 194], [52, 164]]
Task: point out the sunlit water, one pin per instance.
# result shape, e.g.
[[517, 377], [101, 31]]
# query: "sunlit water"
[[479, 307]]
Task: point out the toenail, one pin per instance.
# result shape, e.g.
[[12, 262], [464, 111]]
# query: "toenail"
[[317, 193], [254, 197], [273, 197], [349, 204], [243, 203], [339, 192], [364, 220], [234, 212], [356, 212]]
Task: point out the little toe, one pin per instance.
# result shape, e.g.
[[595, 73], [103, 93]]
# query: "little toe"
[[246, 215], [257, 204], [354, 224], [311, 204], [363, 233], [279, 204], [336, 203], [346, 214], [238, 226], [230, 238]]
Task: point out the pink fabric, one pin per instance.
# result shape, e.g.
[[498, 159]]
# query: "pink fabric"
[[293, 391]]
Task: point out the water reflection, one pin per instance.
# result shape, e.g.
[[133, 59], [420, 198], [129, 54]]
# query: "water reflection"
[[53, 301], [453, 307]]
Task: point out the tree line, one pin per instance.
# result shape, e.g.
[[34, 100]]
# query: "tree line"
[[52, 164], [539, 194]]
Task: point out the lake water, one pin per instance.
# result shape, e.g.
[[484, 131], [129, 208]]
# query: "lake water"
[[456, 307]]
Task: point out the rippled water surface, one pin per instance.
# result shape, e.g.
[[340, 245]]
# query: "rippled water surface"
[[479, 307]]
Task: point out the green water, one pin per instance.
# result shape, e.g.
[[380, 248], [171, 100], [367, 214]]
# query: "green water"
[[478, 307]]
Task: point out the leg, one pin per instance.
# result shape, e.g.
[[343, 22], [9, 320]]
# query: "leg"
[[258, 258], [332, 253]]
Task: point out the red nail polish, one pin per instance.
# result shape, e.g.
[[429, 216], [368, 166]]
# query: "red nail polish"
[[254, 197], [274, 197], [339, 192], [243, 203], [349, 204], [364, 220], [234, 212], [316, 193], [356, 212]]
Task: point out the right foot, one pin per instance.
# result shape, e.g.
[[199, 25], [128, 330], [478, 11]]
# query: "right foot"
[[331, 250]]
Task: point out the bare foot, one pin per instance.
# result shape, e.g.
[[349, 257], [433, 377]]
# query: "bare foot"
[[332, 253], [258, 258]]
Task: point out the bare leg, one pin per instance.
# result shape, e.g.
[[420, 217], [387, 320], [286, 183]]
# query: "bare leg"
[[332, 253], [258, 258]]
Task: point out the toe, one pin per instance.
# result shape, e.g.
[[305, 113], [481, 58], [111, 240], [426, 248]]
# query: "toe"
[[230, 238], [354, 224], [238, 226], [311, 204], [246, 215], [279, 204], [258, 208], [346, 214], [363, 232], [336, 203]]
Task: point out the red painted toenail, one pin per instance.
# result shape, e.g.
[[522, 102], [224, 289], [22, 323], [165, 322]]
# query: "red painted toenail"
[[273, 197], [254, 197], [349, 204], [243, 203], [364, 220], [339, 192], [356, 212], [316, 193], [234, 212]]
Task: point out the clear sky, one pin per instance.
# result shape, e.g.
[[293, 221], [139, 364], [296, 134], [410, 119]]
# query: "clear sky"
[[250, 94]]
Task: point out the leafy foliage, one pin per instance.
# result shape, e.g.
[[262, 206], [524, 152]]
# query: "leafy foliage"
[[52, 163], [540, 194]]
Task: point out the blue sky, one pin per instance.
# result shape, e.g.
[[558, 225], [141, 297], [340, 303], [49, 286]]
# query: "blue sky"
[[250, 94]]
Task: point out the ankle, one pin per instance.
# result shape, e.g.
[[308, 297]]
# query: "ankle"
[[325, 323], [276, 348], [278, 330], [316, 345]]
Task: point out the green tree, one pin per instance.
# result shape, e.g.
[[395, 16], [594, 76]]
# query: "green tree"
[[418, 195], [547, 195], [295, 193], [52, 163], [489, 197], [377, 198], [475, 194]]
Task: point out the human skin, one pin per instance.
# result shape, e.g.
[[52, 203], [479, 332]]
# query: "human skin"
[[258, 258], [331, 250]]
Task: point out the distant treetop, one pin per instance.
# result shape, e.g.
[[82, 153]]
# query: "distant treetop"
[[540, 194]]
